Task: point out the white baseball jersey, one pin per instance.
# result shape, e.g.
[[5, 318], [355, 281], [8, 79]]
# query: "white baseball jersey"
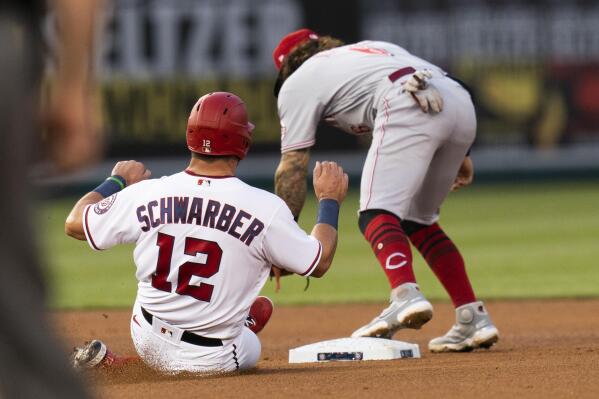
[[204, 246], [341, 87], [414, 156]]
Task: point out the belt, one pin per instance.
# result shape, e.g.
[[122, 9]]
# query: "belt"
[[400, 73], [188, 336]]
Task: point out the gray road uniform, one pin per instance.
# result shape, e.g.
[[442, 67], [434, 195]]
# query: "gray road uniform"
[[414, 156]]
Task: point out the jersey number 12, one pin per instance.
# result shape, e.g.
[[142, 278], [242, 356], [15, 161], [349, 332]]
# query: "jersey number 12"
[[187, 270]]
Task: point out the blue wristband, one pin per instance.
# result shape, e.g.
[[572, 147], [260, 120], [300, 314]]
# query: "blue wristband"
[[113, 184], [328, 212]]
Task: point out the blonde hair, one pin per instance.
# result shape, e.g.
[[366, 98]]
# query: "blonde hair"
[[301, 53]]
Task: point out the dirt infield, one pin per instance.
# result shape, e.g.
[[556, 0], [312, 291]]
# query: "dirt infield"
[[548, 349]]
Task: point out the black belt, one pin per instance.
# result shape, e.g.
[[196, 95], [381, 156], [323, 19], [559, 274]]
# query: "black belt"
[[187, 336]]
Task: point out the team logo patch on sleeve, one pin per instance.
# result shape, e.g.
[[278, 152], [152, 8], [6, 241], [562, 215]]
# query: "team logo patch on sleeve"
[[104, 205]]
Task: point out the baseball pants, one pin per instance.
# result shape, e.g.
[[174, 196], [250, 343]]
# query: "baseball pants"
[[160, 346], [414, 156]]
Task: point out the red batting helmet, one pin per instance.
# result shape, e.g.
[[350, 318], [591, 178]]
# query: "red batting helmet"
[[289, 42], [218, 125]]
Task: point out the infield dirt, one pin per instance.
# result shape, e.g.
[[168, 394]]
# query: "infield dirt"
[[548, 349]]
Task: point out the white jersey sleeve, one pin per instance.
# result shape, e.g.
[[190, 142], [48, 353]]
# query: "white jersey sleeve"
[[112, 221], [287, 246], [300, 112]]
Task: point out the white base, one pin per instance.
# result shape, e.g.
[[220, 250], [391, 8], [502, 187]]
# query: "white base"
[[353, 349]]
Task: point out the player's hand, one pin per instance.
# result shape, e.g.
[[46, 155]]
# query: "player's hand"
[[329, 181], [132, 171], [427, 97], [465, 174]]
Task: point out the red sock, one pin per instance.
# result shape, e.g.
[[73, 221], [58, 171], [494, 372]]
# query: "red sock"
[[112, 361], [446, 262], [392, 248]]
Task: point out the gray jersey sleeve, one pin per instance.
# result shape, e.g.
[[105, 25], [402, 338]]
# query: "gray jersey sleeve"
[[300, 112]]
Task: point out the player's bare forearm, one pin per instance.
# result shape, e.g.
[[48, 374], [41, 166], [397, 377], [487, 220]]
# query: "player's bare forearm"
[[330, 184], [76, 28], [290, 179], [327, 235], [74, 224], [131, 171], [74, 138]]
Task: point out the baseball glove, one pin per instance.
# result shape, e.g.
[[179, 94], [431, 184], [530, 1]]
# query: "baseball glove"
[[425, 94]]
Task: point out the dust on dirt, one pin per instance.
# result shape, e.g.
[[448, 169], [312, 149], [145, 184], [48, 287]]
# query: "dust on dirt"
[[547, 349]]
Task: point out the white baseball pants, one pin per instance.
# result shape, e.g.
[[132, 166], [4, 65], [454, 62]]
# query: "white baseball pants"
[[159, 345], [414, 156]]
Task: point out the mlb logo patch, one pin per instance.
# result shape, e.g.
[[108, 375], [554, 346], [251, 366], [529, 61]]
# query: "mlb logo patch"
[[203, 182], [164, 331]]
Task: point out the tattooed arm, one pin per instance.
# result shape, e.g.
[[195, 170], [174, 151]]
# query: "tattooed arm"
[[290, 179]]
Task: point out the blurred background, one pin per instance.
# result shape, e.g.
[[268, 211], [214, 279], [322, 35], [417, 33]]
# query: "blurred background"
[[534, 71], [533, 67]]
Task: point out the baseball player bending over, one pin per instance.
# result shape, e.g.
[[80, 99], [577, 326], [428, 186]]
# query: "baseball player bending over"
[[422, 124], [205, 243]]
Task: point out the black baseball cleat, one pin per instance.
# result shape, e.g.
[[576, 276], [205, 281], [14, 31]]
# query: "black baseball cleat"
[[90, 355]]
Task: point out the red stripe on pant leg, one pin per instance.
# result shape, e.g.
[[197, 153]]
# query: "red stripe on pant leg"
[[391, 248], [447, 263]]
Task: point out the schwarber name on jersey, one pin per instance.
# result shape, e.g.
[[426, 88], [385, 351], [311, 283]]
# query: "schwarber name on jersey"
[[341, 86], [214, 215], [204, 246]]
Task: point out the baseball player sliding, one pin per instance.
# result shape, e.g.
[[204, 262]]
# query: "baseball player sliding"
[[422, 124], [205, 243]]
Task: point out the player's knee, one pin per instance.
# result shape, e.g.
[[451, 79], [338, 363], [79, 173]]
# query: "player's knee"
[[410, 227], [249, 350], [368, 215]]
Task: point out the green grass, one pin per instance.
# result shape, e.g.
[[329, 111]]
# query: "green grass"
[[519, 241]]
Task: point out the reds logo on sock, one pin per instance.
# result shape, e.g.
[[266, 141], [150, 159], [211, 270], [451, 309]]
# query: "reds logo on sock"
[[395, 261]]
